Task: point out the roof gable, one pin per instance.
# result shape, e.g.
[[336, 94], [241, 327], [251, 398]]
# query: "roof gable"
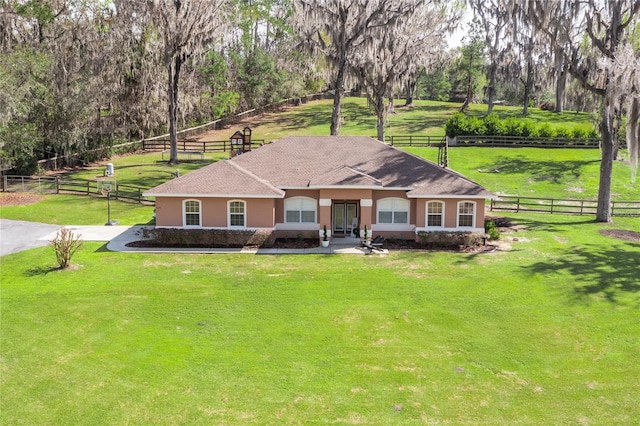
[[222, 179], [323, 161]]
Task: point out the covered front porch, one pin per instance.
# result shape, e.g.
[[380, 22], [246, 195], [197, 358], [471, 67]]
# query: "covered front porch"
[[345, 213]]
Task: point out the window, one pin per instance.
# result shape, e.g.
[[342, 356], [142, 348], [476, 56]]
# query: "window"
[[466, 214], [237, 214], [393, 211], [192, 213], [300, 210], [435, 214]]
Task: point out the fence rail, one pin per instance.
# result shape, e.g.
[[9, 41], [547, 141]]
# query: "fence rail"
[[194, 145], [511, 141], [415, 140], [57, 185], [560, 206], [39, 184]]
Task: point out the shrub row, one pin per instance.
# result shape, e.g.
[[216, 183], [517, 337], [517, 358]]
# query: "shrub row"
[[204, 238], [492, 125]]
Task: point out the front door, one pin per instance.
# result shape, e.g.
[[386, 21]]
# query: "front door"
[[345, 214]]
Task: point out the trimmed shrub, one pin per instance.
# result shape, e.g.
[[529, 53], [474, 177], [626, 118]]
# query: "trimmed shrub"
[[491, 229], [529, 129], [455, 125], [513, 126], [494, 125], [561, 132], [545, 131], [475, 127], [202, 238]]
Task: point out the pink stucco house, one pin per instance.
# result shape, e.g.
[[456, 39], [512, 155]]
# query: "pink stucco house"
[[299, 184]]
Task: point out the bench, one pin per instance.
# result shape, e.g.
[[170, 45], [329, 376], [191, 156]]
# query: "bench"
[[189, 154], [375, 244]]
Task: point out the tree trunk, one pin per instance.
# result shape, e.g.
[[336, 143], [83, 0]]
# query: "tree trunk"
[[411, 88], [561, 85], [174, 78], [336, 113], [633, 133], [527, 89], [491, 88], [380, 113], [603, 213]]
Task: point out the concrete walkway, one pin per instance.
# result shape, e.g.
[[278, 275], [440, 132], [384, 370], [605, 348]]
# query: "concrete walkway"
[[119, 243], [16, 236]]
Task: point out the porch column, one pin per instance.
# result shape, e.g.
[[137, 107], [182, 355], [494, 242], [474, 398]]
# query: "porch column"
[[366, 213], [324, 213]]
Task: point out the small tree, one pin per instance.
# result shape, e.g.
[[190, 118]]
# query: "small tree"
[[65, 244]]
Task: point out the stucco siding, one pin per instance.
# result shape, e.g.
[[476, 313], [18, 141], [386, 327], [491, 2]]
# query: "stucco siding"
[[168, 211]]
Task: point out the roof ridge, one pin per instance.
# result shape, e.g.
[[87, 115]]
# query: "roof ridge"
[[368, 176], [253, 175]]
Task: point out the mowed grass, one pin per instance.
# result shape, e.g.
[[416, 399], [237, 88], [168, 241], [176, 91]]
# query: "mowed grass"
[[143, 170], [543, 332], [79, 210], [538, 172]]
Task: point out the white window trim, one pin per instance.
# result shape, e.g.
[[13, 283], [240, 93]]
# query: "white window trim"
[[473, 217], [315, 210], [244, 225], [426, 214], [184, 213], [393, 224]]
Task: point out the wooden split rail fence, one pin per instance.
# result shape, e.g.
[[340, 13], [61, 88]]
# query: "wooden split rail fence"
[[57, 185], [193, 145], [559, 206]]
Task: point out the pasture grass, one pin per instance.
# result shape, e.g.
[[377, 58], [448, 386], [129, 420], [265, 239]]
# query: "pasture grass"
[[544, 332], [538, 172], [423, 118], [143, 170]]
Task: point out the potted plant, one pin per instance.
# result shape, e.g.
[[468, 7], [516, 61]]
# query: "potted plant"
[[325, 239], [366, 235]]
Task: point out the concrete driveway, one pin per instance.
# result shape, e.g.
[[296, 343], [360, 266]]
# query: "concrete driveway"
[[18, 235]]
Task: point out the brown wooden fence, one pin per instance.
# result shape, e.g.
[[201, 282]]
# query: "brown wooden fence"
[[57, 185], [415, 140], [560, 206], [516, 141], [194, 145]]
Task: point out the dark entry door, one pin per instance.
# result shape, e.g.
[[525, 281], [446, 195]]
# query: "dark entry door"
[[344, 214]]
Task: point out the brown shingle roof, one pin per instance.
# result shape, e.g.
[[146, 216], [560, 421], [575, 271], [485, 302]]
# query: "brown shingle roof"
[[322, 161], [223, 178]]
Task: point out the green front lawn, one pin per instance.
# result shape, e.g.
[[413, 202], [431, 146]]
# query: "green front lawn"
[[545, 332], [79, 210]]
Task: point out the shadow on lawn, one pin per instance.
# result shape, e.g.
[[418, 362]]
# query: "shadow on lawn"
[[553, 171], [606, 272], [40, 270]]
